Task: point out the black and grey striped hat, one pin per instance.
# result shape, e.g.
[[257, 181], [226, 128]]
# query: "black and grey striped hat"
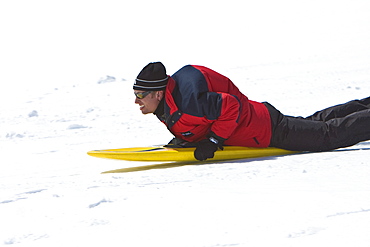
[[152, 77]]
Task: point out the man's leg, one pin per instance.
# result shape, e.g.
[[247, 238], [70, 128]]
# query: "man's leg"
[[341, 110], [300, 134], [349, 130]]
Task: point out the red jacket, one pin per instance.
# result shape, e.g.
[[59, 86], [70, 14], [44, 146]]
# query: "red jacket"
[[199, 100]]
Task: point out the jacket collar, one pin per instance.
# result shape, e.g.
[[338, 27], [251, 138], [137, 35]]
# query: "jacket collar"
[[159, 112]]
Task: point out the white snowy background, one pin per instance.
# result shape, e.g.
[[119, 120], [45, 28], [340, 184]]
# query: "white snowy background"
[[66, 74]]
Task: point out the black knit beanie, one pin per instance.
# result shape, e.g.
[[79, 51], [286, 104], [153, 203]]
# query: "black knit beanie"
[[152, 77]]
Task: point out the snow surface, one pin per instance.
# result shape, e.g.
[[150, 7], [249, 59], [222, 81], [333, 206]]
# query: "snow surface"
[[66, 88]]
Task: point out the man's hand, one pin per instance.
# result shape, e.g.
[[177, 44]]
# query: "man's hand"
[[206, 148]]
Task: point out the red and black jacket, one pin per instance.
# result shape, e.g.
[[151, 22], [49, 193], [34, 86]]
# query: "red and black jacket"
[[199, 101]]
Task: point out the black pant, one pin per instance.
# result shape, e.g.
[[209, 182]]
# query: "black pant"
[[334, 127]]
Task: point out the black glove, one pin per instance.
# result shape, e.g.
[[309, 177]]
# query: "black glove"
[[179, 143], [176, 141], [206, 148]]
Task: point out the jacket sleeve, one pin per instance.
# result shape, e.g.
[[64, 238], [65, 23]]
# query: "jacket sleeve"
[[225, 109]]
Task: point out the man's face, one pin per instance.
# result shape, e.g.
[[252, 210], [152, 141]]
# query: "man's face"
[[149, 103]]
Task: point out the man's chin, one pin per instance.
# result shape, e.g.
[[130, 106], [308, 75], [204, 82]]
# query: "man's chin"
[[145, 112]]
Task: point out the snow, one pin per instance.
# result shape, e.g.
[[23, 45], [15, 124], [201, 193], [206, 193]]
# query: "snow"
[[66, 88]]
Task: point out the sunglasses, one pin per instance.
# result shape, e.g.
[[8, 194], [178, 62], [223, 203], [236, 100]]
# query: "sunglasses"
[[142, 95]]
